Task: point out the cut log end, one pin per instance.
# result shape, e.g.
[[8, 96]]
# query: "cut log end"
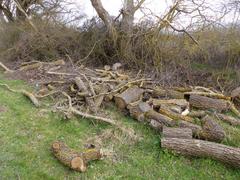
[[78, 164]]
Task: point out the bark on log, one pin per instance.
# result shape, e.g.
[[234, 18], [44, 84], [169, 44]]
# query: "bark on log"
[[196, 129], [197, 114], [175, 116], [159, 118], [84, 90], [198, 148], [156, 125], [229, 119], [138, 110], [128, 96], [183, 133], [202, 102], [73, 159], [179, 102], [236, 93], [212, 131], [158, 92]]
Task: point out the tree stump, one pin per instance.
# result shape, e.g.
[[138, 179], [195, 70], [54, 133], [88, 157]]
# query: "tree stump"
[[199, 148]]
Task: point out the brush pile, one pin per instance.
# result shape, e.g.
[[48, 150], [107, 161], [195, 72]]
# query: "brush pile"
[[191, 114]]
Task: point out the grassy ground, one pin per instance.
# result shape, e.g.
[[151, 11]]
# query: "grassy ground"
[[26, 135]]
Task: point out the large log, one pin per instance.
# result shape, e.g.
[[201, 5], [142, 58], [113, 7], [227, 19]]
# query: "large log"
[[128, 96], [202, 102], [183, 133], [198, 148], [212, 131], [73, 159], [179, 102]]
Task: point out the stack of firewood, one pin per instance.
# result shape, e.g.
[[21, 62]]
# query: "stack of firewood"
[[180, 113]]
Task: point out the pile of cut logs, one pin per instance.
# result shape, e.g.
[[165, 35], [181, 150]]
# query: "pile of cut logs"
[[188, 117]]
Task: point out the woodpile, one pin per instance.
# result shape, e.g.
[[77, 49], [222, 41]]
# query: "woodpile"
[[181, 114]]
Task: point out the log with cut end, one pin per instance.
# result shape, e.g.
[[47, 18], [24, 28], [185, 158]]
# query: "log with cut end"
[[202, 102], [196, 129], [73, 159], [138, 110], [183, 133], [197, 114], [229, 119], [199, 148], [128, 96], [236, 93], [212, 131]]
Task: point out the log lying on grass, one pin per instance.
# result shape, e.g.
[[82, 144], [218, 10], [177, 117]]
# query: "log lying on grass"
[[202, 102], [198, 148], [128, 96], [212, 131], [73, 159], [183, 133], [229, 119]]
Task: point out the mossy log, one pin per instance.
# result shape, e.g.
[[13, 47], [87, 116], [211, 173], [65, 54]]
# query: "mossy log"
[[229, 119], [128, 96], [183, 133], [73, 159], [174, 115], [159, 92], [202, 102], [179, 102], [159, 118], [199, 148], [212, 131]]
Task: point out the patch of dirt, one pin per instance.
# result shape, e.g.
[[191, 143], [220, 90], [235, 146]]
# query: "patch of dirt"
[[3, 109]]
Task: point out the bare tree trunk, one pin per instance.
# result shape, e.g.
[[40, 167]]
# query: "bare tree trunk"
[[128, 16], [104, 15]]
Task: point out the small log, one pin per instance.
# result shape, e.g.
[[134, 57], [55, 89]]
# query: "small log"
[[202, 102], [229, 119], [156, 125], [175, 116], [196, 129], [159, 118], [236, 93], [159, 92], [183, 133], [179, 102], [128, 96], [31, 66], [197, 114], [138, 110], [212, 131], [73, 159], [31, 97], [198, 148]]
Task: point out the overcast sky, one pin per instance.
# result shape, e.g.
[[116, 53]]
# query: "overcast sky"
[[156, 6]]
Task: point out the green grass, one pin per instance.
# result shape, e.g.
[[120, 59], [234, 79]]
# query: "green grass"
[[26, 135]]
